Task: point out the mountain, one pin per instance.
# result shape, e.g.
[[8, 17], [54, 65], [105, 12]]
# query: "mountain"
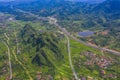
[[89, 15], [110, 9], [42, 42], [42, 51], [109, 6], [65, 9]]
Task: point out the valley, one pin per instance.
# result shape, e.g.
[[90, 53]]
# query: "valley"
[[43, 43], [69, 59]]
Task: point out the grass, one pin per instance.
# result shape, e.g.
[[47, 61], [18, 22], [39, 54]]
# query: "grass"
[[61, 69], [77, 48], [93, 71], [3, 60]]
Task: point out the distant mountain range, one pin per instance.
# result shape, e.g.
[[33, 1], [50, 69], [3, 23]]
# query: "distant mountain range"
[[91, 15], [16, 0], [89, 1], [106, 6]]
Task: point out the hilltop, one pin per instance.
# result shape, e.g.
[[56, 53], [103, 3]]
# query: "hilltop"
[[42, 42]]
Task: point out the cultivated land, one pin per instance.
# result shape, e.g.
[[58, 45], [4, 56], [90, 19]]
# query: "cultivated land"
[[72, 64], [39, 40]]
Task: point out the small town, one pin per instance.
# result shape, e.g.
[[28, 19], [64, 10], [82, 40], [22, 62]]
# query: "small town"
[[102, 62]]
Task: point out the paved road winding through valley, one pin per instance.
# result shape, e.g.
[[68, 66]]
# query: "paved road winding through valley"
[[70, 58]]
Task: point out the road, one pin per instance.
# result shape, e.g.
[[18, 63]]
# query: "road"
[[9, 56], [36, 16], [27, 72], [70, 59], [10, 67], [85, 43], [54, 21], [17, 47]]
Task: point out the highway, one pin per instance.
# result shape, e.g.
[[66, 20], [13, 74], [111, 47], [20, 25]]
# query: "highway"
[[54, 21], [67, 34], [36, 16], [85, 43]]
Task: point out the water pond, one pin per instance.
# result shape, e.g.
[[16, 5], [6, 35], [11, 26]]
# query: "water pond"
[[86, 33]]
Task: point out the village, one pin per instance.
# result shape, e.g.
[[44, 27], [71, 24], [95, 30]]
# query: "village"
[[102, 62]]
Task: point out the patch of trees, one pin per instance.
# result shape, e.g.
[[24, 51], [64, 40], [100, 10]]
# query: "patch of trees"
[[45, 43]]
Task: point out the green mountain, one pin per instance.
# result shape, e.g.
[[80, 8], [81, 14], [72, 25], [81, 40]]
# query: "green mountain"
[[45, 41], [109, 6]]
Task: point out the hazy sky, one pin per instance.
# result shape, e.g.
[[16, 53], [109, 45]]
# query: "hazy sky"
[[89, 0], [6, 0], [69, 0]]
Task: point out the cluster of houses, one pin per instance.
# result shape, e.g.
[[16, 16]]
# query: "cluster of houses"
[[3, 19], [40, 77], [87, 78], [3, 71], [104, 75], [102, 62]]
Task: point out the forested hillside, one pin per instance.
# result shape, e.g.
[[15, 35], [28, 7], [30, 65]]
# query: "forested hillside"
[[40, 40]]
